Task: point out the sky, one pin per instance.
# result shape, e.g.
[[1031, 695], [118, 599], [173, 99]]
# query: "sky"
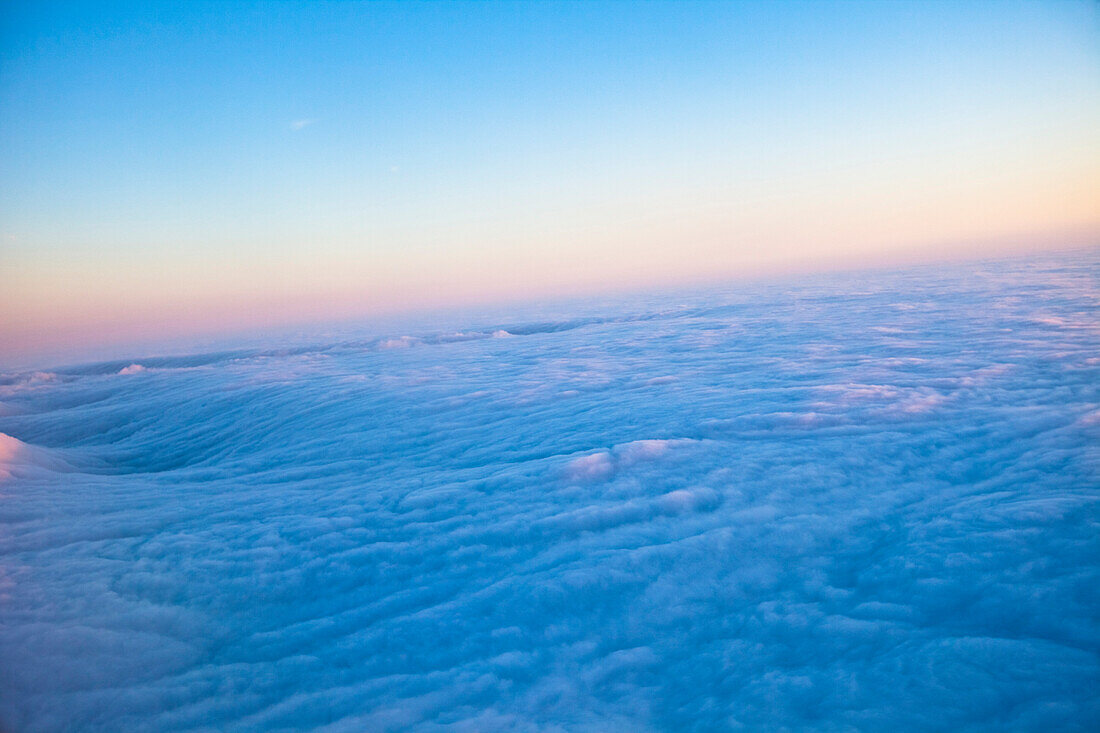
[[198, 168]]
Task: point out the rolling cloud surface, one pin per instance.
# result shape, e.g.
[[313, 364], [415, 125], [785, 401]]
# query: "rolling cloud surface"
[[866, 502]]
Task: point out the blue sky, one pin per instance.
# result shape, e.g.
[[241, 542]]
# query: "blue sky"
[[185, 168]]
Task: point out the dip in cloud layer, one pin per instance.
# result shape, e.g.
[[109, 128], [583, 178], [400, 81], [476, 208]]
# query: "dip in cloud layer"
[[863, 502]]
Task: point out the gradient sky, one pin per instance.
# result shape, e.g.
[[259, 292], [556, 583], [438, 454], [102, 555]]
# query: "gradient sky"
[[204, 167]]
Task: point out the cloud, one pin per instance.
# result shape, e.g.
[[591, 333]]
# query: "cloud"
[[21, 461], [302, 124], [864, 507], [591, 467], [10, 450]]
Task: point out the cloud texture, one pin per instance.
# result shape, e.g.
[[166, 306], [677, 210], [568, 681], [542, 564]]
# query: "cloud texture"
[[858, 503]]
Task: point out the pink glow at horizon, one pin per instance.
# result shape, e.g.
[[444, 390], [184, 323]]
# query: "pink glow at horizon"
[[754, 141]]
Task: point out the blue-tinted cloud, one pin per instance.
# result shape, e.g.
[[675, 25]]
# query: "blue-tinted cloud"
[[859, 503]]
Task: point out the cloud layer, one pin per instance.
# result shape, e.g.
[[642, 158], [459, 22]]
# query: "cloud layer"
[[857, 503]]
